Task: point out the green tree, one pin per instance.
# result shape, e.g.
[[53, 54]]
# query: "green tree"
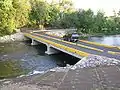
[[22, 9], [69, 20], [39, 14], [99, 22], [86, 20], [59, 12], [7, 24], [54, 15], [13, 14]]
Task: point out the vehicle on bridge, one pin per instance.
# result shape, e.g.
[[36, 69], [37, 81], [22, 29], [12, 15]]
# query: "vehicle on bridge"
[[71, 37]]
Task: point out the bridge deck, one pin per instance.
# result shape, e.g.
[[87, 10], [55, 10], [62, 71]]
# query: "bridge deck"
[[90, 44], [81, 46]]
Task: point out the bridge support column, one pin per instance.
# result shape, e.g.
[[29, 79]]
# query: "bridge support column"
[[34, 42], [51, 50]]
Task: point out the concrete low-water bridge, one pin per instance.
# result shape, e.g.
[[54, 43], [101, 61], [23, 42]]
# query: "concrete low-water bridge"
[[80, 49]]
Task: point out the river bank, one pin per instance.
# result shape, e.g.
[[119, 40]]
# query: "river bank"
[[85, 75], [11, 38]]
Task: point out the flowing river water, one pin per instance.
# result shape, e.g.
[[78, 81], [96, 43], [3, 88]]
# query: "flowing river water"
[[20, 58]]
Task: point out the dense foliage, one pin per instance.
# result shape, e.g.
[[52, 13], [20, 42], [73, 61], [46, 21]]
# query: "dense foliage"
[[39, 14], [13, 14]]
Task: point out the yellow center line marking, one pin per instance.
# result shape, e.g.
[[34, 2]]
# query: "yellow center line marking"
[[97, 44], [83, 46], [68, 48], [72, 50]]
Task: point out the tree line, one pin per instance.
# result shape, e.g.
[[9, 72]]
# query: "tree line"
[[15, 14]]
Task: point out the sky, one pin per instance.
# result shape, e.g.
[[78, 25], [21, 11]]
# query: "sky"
[[105, 5]]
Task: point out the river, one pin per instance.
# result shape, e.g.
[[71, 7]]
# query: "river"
[[113, 40], [20, 58]]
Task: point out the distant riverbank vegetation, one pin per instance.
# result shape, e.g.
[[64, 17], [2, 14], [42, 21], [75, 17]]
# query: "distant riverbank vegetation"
[[16, 14]]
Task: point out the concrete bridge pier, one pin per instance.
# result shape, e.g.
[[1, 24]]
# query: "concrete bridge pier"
[[34, 42], [51, 50]]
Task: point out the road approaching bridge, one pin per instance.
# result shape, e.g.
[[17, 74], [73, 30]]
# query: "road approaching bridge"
[[79, 50]]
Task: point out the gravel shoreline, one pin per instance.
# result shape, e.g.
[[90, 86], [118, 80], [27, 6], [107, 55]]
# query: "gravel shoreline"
[[95, 61], [11, 38]]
